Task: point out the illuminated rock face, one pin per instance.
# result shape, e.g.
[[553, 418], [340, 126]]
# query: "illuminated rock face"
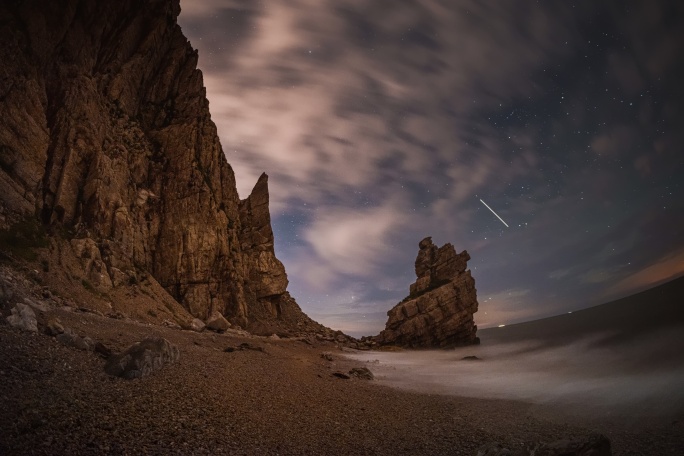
[[107, 135], [439, 309]]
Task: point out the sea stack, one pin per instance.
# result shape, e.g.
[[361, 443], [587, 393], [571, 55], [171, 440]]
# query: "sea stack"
[[438, 312]]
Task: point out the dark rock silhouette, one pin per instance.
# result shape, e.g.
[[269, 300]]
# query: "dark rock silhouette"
[[439, 309]]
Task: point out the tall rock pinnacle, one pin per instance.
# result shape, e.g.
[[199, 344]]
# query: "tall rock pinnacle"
[[439, 309]]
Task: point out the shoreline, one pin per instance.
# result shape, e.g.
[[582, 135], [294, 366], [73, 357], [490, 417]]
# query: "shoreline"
[[282, 400]]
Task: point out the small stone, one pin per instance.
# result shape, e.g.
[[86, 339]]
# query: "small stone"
[[362, 373], [171, 324], [471, 358], [102, 350], [248, 346], [197, 325], [54, 327], [341, 375], [327, 356], [6, 293], [36, 305], [71, 339]]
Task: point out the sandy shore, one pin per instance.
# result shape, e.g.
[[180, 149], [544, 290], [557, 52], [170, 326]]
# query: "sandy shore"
[[284, 400]]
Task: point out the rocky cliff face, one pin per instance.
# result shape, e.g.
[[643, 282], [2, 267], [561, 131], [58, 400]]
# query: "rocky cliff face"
[[107, 138], [439, 309]]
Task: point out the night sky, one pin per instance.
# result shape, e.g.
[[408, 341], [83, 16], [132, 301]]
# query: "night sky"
[[382, 122]]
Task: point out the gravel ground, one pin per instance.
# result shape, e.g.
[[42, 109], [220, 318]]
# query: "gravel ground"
[[283, 400]]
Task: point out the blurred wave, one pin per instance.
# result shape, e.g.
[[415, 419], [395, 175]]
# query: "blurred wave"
[[623, 359]]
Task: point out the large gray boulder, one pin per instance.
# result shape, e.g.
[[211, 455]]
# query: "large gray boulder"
[[23, 317], [142, 358]]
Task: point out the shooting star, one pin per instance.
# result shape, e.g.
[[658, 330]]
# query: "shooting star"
[[497, 215]]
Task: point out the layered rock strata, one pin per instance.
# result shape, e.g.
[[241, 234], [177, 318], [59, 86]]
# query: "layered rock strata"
[[439, 309], [107, 138]]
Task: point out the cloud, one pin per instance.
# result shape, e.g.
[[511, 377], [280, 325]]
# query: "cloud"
[[381, 122], [503, 307], [600, 275], [354, 242], [559, 273], [379, 101], [656, 40], [617, 141], [668, 267]]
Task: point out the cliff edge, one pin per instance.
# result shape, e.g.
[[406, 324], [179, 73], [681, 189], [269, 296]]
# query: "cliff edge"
[[107, 142]]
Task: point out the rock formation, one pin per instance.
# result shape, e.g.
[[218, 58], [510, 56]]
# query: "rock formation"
[[439, 309], [107, 139], [142, 358]]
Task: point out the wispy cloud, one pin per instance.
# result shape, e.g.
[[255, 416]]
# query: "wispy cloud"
[[354, 241], [665, 268], [383, 122]]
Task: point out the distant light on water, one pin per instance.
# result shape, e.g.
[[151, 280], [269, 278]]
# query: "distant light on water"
[[501, 326]]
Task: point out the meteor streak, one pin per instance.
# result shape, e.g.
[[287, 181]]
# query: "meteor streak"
[[497, 215]]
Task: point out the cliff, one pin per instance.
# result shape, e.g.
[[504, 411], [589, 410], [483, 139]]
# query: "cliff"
[[439, 309], [107, 140]]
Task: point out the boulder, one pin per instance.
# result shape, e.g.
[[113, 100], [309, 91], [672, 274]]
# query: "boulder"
[[142, 358], [197, 325], [217, 322], [23, 318]]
